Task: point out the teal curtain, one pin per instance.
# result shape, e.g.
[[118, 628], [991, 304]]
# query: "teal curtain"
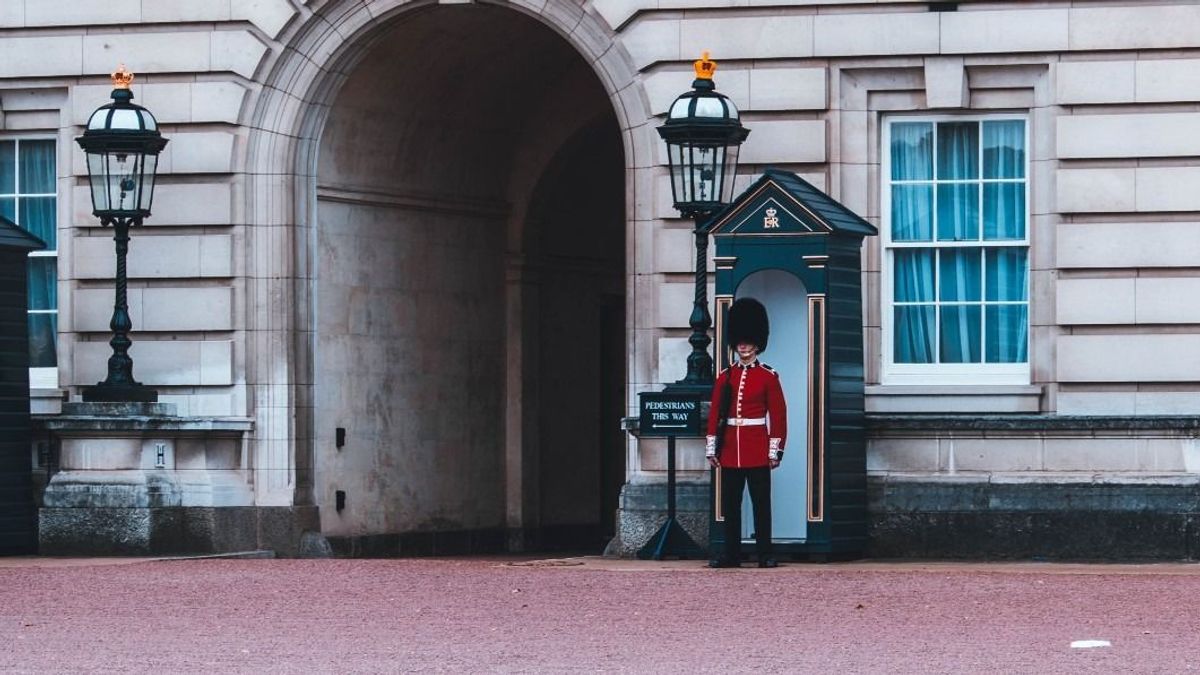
[[1006, 276], [28, 178], [8, 168], [1003, 211], [958, 151], [37, 167], [959, 304], [958, 211], [1004, 158], [42, 330], [913, 282], [1007, 333], [912, 151], [960, 274], [912, 212], [1004, 149], [37, 215], [960, 281], [915, 326]]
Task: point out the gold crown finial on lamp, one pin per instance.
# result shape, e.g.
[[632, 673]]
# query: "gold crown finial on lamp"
[[122, 78], [705, 67]]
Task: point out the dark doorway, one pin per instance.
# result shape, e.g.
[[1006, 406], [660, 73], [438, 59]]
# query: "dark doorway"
[[470, 199], [576, 242]]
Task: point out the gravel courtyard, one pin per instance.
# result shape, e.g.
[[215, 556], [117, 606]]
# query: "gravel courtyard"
[[590, 614]]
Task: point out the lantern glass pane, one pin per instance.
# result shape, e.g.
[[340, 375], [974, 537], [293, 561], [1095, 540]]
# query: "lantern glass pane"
[[703, 174], [150, 165], [719, 173], [679, 109], [98, 119], [694, 168], [687, 181], [123, 180], [675, 157], [729, 165], [709, 107], [730, 174], [98, 175], [126, 120]]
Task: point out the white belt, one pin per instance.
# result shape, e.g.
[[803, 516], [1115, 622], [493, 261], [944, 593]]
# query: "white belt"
[[747, 421]]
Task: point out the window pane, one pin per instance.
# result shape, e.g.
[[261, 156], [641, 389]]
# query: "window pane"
[[37, 216], [958, 212], [37, 167], [914, 331], [1007, 333], [43, 289], [1006, 270], [957, 150], [960, 334], [8, 208], [1004, 149], [959, 276], [912, 212], [1004, 211], [913, 280], [42, 352], [8, 167], [912, 151]]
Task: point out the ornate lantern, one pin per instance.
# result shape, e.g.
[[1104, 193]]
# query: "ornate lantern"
[[122, 143]]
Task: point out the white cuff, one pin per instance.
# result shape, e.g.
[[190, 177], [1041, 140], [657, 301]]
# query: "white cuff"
[[775, 444], [710, 446]]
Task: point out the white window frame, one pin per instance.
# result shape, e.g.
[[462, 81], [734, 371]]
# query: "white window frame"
[[945, 373], [40, 378]]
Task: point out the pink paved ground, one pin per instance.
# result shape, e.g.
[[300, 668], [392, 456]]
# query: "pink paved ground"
[[473, 615]]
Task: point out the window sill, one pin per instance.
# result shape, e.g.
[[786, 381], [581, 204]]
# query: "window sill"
[[933, 399]]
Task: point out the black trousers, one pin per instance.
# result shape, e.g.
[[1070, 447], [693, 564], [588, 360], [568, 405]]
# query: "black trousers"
[[733, 483]]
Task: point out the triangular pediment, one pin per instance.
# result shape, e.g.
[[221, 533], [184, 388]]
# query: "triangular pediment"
[[781, 203], [773, 214]]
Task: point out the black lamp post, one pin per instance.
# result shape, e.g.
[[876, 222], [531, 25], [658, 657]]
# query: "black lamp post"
[[703, 135], [122, 143]]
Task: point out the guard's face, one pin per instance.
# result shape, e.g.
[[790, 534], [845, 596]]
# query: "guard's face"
[[746, 350]]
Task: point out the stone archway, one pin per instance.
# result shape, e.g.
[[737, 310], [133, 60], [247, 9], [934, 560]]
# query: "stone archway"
[[388, 206]]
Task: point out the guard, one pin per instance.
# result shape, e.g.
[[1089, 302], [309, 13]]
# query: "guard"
[[746, 432]]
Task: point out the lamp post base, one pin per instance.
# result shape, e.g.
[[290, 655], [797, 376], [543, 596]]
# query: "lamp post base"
[[119, 393], [671, 540]]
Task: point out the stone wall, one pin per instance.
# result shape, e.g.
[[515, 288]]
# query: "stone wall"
[[222, 274]]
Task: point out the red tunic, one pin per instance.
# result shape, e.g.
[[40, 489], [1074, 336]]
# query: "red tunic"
[[755, 394]]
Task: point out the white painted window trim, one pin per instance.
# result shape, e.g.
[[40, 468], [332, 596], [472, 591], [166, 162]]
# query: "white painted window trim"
[[41, 378], [942, 373]]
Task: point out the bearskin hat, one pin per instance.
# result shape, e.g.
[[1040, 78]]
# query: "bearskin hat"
[[748, 323]]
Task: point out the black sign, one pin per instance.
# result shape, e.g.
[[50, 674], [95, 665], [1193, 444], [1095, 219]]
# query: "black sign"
[[665, 414]]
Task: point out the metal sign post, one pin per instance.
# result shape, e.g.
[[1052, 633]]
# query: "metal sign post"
[[670, 415]]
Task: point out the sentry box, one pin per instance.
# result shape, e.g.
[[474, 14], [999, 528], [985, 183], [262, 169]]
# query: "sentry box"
[[797, 251]]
